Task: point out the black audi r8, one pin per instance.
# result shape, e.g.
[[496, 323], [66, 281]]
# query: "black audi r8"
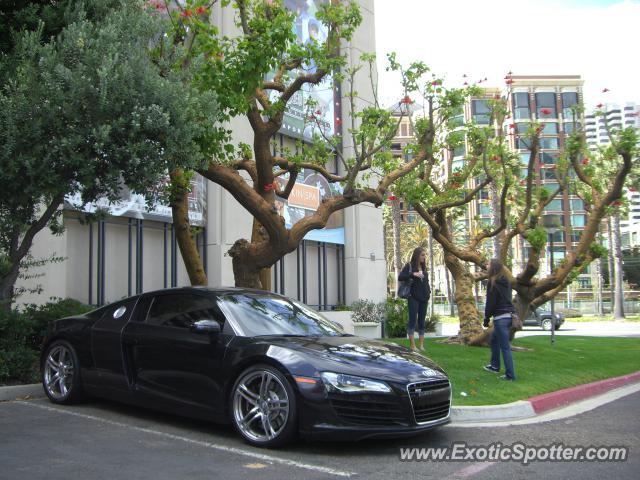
[[271, 365]]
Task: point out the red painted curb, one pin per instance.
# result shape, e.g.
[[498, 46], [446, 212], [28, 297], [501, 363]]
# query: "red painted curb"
[[547, 401]]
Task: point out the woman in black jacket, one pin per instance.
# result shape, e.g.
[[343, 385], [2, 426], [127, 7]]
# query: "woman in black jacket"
[[499, 307], [416, 270]]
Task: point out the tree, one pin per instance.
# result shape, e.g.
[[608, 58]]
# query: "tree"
[[598, 180], [266, 43], [84, 110]]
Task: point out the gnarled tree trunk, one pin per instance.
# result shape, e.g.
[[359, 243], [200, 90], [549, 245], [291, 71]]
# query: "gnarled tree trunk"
[[471, 332], [180, 214]]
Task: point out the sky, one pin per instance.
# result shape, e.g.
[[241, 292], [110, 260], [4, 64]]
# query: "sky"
[[596, 39]]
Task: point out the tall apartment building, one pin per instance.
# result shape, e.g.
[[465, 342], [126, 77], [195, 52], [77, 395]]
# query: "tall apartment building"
[[617, 117]]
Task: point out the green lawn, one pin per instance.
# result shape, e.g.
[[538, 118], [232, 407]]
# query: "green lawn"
[[572, 361]]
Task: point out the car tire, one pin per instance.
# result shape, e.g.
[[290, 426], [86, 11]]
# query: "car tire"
[[263, 407], [61, 373], [546, 324]]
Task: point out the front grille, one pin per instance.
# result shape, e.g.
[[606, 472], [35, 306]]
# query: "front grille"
[[430, 400], [363, 411]]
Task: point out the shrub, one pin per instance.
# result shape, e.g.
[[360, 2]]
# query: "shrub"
[[18, 362], [397, 312], [41, 317], [367, 311], [22, 334]]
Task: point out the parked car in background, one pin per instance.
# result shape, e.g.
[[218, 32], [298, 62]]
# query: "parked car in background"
[[543, 318], [269, 365]]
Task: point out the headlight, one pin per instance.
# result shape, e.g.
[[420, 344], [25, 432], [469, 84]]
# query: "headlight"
[[351, 384]]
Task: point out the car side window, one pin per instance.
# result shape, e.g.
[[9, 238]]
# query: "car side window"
[[181, 310]]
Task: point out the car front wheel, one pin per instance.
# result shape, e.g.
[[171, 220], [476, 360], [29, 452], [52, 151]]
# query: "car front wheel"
[[263, 407], [61, 373], [546, 324]]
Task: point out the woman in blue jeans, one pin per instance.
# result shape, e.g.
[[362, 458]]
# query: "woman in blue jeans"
[[416, 270], [499, 307]]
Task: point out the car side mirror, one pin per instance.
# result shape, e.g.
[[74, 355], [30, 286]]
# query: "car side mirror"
[[206, 326]]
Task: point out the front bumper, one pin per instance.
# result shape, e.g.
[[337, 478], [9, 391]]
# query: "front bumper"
[[409, 410]]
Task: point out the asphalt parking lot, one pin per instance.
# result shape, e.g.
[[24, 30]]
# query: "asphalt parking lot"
[[104, 440]]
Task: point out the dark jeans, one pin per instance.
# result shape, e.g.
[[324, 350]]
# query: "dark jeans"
[[417, 311], [500, 343]]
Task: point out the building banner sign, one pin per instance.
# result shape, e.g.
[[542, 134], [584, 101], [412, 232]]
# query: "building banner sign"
[[307, 195], [296, 123], [134, 205]]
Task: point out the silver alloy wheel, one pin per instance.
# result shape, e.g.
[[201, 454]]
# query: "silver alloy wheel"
[[58, 372], [546, 324], [260, 406]]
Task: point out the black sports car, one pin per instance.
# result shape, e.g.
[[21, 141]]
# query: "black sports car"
[[272, 366]]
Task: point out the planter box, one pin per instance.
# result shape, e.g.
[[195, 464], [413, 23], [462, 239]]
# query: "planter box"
[[368, 329], [343, 318]]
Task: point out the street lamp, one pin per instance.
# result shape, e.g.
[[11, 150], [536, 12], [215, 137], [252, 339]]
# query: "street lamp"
[[551, 224]]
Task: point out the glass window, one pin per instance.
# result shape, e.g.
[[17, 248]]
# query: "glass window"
[[266, 314], [570, 127], [485, 209], [550, 128], [521, 105], [546, 101], [549, 158], [481, 112], [569, 99], [577, 204], [181, 310], [555, 205], [548, 174], [522, 143], [457, 165], [524, 158], [549, 143], [483, 194], [551, 186], [403, 130], [578, 220], [459, 151], [575, 236], [558, 237], [522, 127]]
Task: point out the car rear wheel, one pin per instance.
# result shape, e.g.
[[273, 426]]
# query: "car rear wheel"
[[263, 407], [61, 373], [546, 324]]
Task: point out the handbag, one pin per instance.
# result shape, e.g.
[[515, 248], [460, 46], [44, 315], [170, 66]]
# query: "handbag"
[[516, 321], [404, 288]]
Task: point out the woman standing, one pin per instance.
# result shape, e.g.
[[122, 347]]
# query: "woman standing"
[[416, 270], [499, 307]]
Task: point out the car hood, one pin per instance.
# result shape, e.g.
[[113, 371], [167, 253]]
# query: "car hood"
[[357, 356]]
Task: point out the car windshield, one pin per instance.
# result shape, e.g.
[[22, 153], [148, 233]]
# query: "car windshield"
[[263, 314]]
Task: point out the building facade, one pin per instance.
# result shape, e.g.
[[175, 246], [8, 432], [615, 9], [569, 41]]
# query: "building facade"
[[598, 129], [132, 250]]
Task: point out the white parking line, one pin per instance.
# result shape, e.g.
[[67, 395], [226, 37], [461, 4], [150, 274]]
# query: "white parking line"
[[215, 446], [471, 470]]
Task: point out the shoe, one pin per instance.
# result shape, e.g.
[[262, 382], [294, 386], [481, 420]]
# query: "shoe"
[[508, 379], [489, 368]]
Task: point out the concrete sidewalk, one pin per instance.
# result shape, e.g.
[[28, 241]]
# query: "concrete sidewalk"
[[522, 409]]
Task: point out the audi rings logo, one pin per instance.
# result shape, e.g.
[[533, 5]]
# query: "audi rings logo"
[[429, 373]]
